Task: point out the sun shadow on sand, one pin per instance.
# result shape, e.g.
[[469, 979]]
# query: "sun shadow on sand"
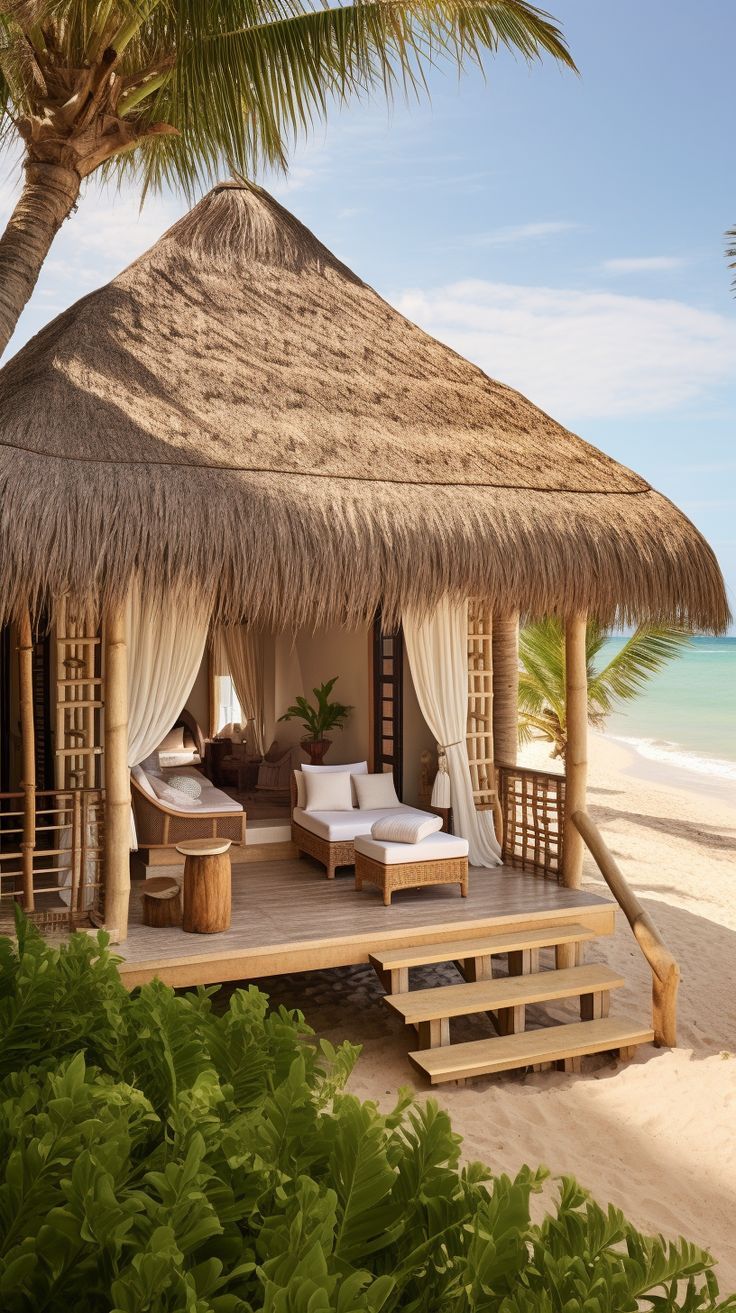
[[706, 836]]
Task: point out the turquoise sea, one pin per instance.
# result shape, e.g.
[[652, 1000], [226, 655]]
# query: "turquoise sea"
[[686, 715]]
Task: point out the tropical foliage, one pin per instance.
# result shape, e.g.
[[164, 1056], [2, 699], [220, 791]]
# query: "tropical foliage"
[[158, 1155], [622, 677], [320, 718], [172, 90]]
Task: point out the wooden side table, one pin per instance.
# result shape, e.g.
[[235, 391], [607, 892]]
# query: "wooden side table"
[[207, 885], [161, 901]]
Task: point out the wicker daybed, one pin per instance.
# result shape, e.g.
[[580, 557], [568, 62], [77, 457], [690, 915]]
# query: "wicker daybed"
[[160, 826]]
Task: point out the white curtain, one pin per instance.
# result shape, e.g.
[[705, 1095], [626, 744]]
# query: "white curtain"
[[244, 653], [166, 639], [437, 647]]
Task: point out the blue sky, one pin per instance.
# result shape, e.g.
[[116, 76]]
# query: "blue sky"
[[566, 233]]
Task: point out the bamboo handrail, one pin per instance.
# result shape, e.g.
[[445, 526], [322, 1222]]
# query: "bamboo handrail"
[[665, 971]]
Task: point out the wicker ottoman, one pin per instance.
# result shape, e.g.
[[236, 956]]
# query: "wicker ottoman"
[[439, 859]]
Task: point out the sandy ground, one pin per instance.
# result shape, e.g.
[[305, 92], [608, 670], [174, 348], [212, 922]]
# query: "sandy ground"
[[657, 1137]]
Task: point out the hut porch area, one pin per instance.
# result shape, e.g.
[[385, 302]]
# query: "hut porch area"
[[287, 917]]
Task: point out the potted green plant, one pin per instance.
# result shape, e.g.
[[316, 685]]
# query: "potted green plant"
[[318, 719]]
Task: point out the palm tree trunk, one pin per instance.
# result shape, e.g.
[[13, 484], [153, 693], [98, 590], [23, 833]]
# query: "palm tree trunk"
[[49, 194], [505, 646]]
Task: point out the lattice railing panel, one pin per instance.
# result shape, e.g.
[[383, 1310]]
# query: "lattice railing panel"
[[67, 858], [533, 806], [480, 705]]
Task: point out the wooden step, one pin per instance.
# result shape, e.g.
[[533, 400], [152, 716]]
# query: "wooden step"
[[396, 959], [508, 992], [483, 1057]]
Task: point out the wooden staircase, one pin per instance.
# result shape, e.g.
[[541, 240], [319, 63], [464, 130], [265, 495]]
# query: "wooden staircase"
[[505, 998]]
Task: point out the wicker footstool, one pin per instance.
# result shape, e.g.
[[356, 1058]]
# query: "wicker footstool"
[[439, 859]]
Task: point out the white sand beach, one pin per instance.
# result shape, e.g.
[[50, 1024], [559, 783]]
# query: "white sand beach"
[[656, 1137]]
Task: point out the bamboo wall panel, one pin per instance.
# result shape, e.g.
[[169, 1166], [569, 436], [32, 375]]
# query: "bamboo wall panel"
[[79, 701], [66, 869], [533, 806], [480, 704]]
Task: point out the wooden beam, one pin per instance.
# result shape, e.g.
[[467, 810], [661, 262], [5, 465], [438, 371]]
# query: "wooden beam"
[[505, 660], [576, 757], [28, 756], [117, 780]]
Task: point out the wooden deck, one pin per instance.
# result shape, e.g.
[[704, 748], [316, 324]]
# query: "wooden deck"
[[287, 917]]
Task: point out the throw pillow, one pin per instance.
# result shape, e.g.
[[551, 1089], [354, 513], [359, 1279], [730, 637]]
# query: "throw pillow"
[[301, 789], [186, 783], [173, 798], [329, 792], [376, 791], [405, 827], [353, 768]]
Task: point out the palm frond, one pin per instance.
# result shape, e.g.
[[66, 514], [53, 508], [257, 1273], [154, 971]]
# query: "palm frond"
[[629, 669], [731, 252]]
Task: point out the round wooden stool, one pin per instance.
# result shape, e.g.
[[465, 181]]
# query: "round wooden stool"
[[206, 885], [161, 899]]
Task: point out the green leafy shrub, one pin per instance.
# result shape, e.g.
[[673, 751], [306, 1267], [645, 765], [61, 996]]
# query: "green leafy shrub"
[[158, 1156]]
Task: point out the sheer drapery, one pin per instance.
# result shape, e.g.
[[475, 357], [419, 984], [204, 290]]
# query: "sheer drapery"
[[166, 639], [239, 652], [437, 648]]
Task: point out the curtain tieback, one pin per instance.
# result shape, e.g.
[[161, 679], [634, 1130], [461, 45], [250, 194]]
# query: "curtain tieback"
[[442, 747]]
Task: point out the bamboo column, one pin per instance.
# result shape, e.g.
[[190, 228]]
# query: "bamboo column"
[[576, 757], [28, 751], [117, 780], [505, 656]]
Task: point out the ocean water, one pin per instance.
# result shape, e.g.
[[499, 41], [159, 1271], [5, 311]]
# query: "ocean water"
[[686, 715]]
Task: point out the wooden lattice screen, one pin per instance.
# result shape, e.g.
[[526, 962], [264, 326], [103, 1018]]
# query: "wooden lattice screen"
[[533, 807], [78, 702], [67, 857], [388, 713], [480, 706]]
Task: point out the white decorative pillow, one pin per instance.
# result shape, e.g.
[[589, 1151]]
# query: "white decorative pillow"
[[172, 797], [353, 768], [328, 792], [376, 791], [405, 828], [301, 789], [186, 784], [174, 740]]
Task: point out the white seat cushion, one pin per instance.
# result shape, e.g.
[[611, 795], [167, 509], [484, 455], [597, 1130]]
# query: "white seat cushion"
[[337, 827], [436, 848], [210, 799]]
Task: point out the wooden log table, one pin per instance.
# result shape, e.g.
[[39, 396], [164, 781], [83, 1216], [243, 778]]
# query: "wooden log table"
[[161, 901], [207, 885]]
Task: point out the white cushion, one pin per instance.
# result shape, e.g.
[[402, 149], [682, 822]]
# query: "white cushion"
[[301, 788], [352, 767], [166, 760], [173, 741], [187, 784], [406, 829], [140, 777], [211, 799], [328, 792], [337, 827], [173, 797], [433, 849], [376, 791]]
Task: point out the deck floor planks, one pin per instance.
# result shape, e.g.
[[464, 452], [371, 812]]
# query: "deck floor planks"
[[286, 916]]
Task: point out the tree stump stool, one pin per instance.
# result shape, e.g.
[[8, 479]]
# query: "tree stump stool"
[[161, 900], [207, 885]]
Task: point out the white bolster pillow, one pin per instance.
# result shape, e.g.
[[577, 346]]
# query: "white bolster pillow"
[[406, 829]]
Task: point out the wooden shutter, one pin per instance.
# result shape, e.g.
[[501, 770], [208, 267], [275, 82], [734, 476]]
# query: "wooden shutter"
[[388, 681]]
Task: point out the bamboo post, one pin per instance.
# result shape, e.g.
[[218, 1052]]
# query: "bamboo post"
[[576, 756], [505, 659], [28, 751], [117, 780]]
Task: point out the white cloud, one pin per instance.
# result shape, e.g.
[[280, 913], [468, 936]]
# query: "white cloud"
[[642, 264], [581, 354], [522, 232]]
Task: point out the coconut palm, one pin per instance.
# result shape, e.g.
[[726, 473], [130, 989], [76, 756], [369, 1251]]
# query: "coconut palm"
[[731, 251], [170, 90], [542, 675]]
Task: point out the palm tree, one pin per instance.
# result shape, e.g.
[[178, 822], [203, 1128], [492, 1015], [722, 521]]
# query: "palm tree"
[[731, 251], [172, 90], [542, 676]]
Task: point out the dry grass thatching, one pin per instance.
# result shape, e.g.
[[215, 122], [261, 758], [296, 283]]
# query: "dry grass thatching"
[[238, 410]]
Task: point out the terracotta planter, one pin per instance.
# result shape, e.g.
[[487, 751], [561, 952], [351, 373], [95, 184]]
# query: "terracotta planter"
[[316, 749]]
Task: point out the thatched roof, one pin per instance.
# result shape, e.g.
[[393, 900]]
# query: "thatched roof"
[[239, 410]]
